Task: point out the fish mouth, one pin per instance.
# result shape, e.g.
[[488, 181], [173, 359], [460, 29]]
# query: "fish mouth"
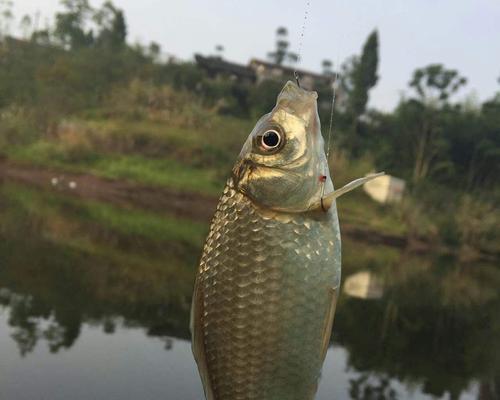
[[296, 98], [292, 92]]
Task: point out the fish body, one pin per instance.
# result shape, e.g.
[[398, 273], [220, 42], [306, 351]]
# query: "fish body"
[[266, 288]]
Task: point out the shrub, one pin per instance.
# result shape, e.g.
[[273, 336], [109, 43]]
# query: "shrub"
[[141, 100], [17, 127]]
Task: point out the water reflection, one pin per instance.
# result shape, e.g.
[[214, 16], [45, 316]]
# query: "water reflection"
[[405, 325], [364, 285]]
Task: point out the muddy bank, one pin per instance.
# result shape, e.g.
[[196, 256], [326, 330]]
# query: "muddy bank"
[[193, 206]]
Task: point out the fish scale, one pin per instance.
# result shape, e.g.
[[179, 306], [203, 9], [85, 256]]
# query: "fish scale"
[[264, 300]]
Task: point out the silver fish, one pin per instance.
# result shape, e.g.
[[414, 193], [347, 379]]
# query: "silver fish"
[[267, 284]]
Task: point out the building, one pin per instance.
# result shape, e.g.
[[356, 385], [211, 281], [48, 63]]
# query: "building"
[[308, 80], [385, 189], [218, 68], [258, 71]]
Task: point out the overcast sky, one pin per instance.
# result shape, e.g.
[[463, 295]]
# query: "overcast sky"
[[462, 34]]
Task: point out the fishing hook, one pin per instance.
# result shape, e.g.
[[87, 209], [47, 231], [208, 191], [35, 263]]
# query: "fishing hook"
[[297, 78]]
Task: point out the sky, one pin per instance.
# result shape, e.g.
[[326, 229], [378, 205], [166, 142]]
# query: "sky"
[[461, 34]]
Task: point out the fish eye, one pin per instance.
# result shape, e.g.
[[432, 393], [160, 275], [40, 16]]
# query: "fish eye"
[[270, 140]]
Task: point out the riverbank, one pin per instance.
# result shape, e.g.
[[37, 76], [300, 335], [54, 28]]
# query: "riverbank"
[[181, 171], [181, 204]]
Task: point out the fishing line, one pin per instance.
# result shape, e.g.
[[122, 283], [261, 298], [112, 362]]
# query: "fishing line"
[[301, 40], [332, 110], [335, 82]]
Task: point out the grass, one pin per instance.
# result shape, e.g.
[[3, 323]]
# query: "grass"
[[135, 168], [146, 224], [145, 151], [65, 215], [162, 172]]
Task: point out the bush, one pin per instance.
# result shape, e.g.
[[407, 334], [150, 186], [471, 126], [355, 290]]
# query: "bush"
[[262, 98], [477, 222], [17, 126], [140, 100]]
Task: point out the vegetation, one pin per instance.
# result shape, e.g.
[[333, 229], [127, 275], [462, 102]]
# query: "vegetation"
[[78, 96]]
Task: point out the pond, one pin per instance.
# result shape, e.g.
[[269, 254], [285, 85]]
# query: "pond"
[[95, 300]]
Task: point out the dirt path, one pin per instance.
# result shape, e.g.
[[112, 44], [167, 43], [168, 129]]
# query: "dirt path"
[[121, 193], [130, 194]]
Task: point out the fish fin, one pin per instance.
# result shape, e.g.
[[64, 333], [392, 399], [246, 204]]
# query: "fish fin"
[[326, 202], [354, 184], [327, 327], [198, 340]]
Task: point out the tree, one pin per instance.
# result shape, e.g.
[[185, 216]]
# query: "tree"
[[327, 67], [436, 137], [358, 76], [434, 84], [219, 50], [6, 17], [26, 25], [154, 51], [112, 26], [70, 26], [282, 54], [363, 76]]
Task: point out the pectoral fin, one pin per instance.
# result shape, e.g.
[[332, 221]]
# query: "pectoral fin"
[[327, 327], [326, 202]]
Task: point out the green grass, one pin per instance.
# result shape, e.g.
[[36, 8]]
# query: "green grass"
[[61, 211], [156, 172], [145, 151], [150, 171], [146, 224]]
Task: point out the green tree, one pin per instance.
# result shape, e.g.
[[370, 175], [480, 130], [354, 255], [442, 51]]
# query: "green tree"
[[112, 26], [363, 76], [6, 17], [358, 77], [327, 67], [154, 51], [282, 53], [219, 50], [437, 137], [26, 25], [434, 85], [71, 25]]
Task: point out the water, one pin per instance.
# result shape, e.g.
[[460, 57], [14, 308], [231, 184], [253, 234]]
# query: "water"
[[94, 304]]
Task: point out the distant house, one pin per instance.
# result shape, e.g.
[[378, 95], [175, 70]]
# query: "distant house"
[[308, 80], [217, 68], [385, 189], [258, 71]]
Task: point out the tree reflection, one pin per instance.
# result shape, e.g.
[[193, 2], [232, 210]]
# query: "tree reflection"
[[367, 387], [63, 274], [437, 325]]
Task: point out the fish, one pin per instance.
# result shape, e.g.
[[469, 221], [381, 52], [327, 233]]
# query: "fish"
[[267, 284]]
